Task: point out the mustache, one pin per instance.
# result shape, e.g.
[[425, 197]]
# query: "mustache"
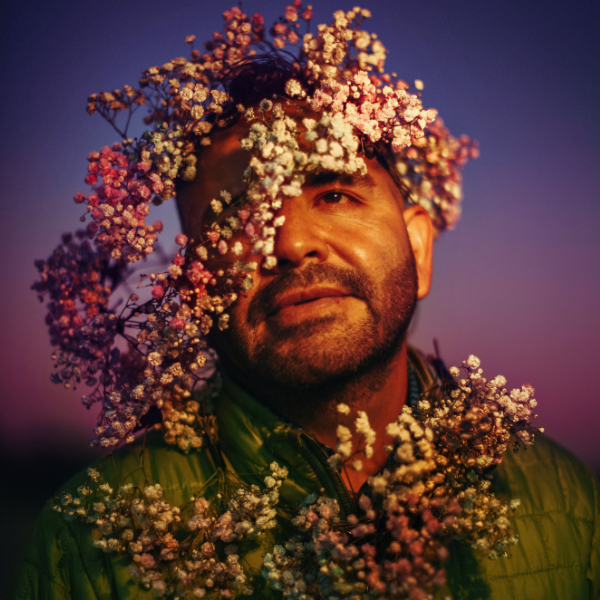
[[265, 300]]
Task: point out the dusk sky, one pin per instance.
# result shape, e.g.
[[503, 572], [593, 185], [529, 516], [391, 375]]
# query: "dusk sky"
[[517, 283]]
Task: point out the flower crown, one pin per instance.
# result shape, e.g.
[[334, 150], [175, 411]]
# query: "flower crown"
[[350, 109]]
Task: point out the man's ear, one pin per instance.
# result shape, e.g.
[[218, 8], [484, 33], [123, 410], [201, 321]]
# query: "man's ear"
[[420, 234]]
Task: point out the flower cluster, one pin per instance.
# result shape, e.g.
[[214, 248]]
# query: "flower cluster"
[[340, 106], [345, 449], [430, 169], [435, 487], [192, 549]]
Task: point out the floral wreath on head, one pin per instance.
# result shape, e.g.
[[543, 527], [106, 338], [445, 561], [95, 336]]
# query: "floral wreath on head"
[[355, 110]]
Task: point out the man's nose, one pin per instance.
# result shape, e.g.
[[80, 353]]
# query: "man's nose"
[[299, 239]]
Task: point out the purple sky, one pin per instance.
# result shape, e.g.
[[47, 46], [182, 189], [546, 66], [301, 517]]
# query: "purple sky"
[[517, 283]]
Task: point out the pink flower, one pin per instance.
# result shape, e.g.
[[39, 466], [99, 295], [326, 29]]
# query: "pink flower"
[[158, 292], [156, 183], [291, 14], [142, 209], [213, 236], [177, 323], [181, 239], [144, 165], [147, 561]]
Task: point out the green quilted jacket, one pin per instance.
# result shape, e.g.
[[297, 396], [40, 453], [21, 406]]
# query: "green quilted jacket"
[[558, 522]]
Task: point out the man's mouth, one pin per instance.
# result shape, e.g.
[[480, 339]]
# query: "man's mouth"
[[306, 296]]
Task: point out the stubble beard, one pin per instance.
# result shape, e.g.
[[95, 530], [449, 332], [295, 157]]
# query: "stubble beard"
[[326, 357]]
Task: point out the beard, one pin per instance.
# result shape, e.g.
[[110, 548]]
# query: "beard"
[[324, 355]]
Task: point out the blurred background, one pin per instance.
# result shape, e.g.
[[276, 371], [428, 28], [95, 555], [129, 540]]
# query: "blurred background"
[[517, 283]]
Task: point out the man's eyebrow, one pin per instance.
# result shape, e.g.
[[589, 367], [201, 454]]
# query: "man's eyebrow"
[[328, 177]]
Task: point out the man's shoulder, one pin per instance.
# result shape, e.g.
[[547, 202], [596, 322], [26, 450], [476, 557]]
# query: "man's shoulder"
[[548, 478], [557, 523]]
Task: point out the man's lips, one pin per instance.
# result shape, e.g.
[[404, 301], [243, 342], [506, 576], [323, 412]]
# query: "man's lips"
[[304, 296]]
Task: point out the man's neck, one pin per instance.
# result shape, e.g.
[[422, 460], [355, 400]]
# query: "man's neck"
[[380, 393]]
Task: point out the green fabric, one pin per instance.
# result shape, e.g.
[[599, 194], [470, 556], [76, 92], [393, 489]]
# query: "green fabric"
[[558, 522]]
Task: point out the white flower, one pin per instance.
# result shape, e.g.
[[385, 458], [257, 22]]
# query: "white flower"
[[310, 124], [138, 392], [246, 143], [159, 587], [378, 483], [154, 359], [343, 433], [186, 93], [336, 150], [293, 88], [197, 111], [345, 449], [363, 427], [473, 362], [321, 145]]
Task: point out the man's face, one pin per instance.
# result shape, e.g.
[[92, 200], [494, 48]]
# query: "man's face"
[[345, 286]]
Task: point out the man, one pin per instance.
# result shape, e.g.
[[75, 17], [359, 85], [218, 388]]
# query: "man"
[[316, 342]]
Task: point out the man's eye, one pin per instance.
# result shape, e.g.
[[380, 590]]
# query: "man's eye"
[[335, 198]]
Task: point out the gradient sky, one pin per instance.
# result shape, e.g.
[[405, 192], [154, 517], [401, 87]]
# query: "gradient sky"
[[517, 283]]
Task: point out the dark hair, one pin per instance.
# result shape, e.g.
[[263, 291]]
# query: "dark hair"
[[262, 76]]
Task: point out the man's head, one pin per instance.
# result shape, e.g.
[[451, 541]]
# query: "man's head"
[[351, 261]]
